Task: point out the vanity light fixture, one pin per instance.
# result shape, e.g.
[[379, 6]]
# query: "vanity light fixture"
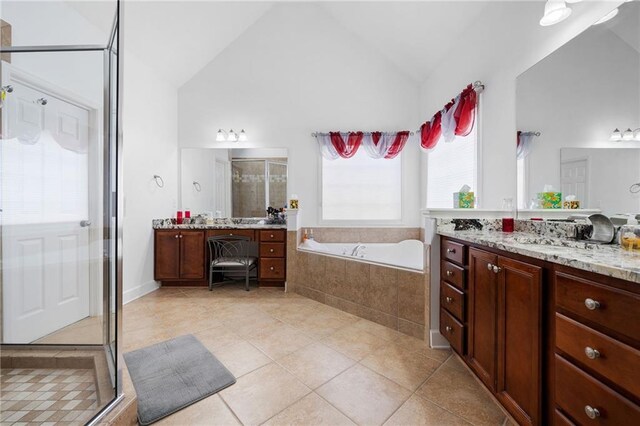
[[616, 135], [627, 135], [231, 136], [555, 11], [609, 16]]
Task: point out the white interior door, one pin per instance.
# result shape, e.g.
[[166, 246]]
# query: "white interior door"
[[574, 180], [45, 212], [223, 188]]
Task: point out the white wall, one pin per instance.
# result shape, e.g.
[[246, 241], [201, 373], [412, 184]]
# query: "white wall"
[[294, 72], [575, 98], [504, 41], [150, 147], [197, 165]]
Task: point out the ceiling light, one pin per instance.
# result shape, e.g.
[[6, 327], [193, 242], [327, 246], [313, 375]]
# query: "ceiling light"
[[243, 136], [627, 135], [609, 16], [220, 136], [555, 11], [233, 136], [616, 135]]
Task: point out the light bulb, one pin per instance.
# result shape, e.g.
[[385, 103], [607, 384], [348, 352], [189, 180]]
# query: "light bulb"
[[636, 134], [555, 11], [609, 16], [243, 136], [233, 136], [627, 135], [616, 135], [220, 136]]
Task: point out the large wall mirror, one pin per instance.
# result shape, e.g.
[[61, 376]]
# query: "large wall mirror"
[[569, 107], [239, 183]]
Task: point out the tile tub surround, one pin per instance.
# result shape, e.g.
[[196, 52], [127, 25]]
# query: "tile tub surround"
[[608, 260], [388, 296]]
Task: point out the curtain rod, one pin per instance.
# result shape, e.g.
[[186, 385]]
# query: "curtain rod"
[[314, 134]]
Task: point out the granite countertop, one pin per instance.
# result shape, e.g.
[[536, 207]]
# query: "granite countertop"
[[219, 223], [610, 260]]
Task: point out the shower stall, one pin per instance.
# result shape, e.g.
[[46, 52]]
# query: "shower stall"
[[60, 211]]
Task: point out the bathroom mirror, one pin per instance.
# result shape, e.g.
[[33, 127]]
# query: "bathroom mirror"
[[242, 182], [569, 106]]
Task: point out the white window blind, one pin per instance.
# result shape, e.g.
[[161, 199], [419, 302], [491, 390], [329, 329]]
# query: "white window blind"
[[449, 167], [362, 189]]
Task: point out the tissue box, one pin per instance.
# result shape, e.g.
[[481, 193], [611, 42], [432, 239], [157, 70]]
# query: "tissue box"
[[550, 200], [463, 200], [575, 204]]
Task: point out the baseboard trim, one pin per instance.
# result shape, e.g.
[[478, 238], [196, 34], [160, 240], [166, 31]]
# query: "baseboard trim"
[[136, 292], [437, 340]]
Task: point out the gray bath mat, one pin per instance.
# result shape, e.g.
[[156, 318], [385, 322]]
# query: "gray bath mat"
[[171, 375]]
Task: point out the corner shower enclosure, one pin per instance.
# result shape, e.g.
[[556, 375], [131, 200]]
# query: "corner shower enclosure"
[[60, 210]]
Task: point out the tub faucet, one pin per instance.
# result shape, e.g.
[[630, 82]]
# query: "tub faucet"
[[356, 249]]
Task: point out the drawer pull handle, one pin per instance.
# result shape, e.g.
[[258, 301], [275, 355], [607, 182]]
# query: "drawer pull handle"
[[490, 266], [272, 268], [452, 251], [591, 353], [270, 250], [449, 329], [591, 304], [592, 413], [449, 273], [449, 299]]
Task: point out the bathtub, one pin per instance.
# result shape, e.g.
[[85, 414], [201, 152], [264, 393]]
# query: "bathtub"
[[407, 254]]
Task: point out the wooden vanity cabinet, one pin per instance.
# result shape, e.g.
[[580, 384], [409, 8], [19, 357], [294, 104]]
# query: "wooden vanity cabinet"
[[504, 325], [179, 255]]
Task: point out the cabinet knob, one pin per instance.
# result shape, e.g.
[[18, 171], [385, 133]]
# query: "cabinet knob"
[[496, 269], [272, 268], [591, 412], [490, 266], [177, 236], [448, 299], [451, 251], [180, 235], [449, 273], [231, 234], [270, 250], [449, 329], [591, 304], [591, 353], [271, 236]]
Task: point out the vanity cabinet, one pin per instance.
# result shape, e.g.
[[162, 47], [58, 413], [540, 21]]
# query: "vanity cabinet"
[[179, 255], [182, 256], [554, 344]]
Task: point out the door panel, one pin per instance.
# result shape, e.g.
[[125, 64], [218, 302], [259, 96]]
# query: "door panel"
[[44, 177], [519, 339], [482, 316], [192, 254], [167, 256]]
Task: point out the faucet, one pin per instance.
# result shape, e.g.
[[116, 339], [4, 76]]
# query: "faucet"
[[356, 249]]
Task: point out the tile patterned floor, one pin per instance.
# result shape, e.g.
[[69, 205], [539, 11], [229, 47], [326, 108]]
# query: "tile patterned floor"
[[299, 362], [47, 396]]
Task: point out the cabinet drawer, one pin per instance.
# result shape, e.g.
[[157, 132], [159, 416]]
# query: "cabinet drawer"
[[561, 420], [577, 393], [454, 252], [274, 235], [609, 307], [232, 232], [272, 250], [613, 360], [272, 268], [452, 330], [453, 274], [452, 300]]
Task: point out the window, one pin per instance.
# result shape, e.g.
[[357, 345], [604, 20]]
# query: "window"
[[362, 189], [449, 167]]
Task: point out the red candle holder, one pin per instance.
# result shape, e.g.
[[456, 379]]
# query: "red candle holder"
[[179, 217], [508, 224]]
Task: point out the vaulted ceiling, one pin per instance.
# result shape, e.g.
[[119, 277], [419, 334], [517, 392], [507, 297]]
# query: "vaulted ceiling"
[[178, 38]]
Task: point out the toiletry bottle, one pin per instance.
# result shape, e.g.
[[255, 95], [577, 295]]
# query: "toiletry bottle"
[[311, 234], [305, 237]]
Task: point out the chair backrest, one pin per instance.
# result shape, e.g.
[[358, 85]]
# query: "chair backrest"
[[234, 246]]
